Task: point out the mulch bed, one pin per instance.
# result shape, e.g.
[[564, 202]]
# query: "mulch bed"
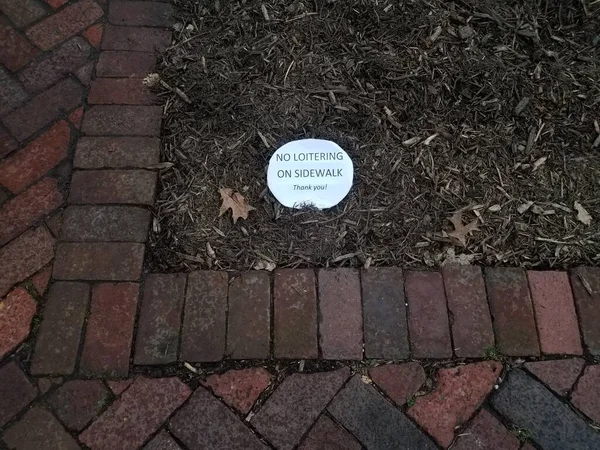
[[491, 109]]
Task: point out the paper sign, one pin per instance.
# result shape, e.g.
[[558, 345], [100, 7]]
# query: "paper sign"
[[310, 172]]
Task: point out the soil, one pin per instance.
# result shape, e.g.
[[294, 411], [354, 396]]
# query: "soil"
[[490, 109]]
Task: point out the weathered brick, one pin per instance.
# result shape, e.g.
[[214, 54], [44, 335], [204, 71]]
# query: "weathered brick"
[[587, 305], [459, 392], [125, 64], [54, 223], [135, 416], [384, 311], [139, 13], [559, 375], [327, 435], [16, 392], [162, 441], [76, 117], [41, 279], [65, 59], [66, 23], [55, 4], [44, 108], [555, 314], [60, 332], [586, 396], [121, 120], [240, 388], [427, 315], [94, 34], [375, 421], [109, 332], [16, 312], [116, 152], [108, 261], [22, 12], [485, 432], [137, 39], [120, 91], [157, 340], [340, 328], [39, 429], [204, 317], [32, 162], [77, 402], [248, 327], [24, 256], [7, 143], [512, 311], [105, 224], [119, 386], [84, 73], [295, 314], [470, 319], [294, 406], [22, 211], [15, 51], [204, 422], [113, 186], [11, 93], [47, 383], [399, 381], [551, 423]]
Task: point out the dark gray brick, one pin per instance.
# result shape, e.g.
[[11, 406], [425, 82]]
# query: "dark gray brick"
[[162, 441], [551, 423], [105, 224], [374, 421], [294, 406], [384, 314], [205, 423]]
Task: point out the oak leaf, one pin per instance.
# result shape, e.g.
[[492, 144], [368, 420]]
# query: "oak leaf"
[[236, 202], [461, 231]]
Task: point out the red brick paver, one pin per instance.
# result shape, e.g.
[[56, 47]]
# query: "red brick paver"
[[38, 429], [248, 327], [120, 91], [295, 314], [94, 34], [204, 319], [60, 332], [162, 441], [138, 39], [586, 396], [15, 51], [384, 310], [399, 381], [427, 315], [22, 12], [159, 321], [485, 432], [77, 402], [16, 392], [91, 223], [240, 388], [121, 120], [41, 279], [458, 393], [512, 311], [31, 163], [327, 435], [125, 64], [109, 332], [559, 375], [471, 323], [555, 312], [119, 386], [116, 152], [136, 415], [113, 186], [140, 13], [586, 290], [16, 312], [340, 327]]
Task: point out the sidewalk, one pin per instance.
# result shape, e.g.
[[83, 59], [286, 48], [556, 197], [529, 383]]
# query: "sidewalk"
[[97, 353]]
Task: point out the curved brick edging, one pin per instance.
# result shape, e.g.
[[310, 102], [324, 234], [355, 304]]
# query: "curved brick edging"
[[119, 359]]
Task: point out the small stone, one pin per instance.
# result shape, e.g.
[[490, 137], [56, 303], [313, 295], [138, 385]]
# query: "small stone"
[[240, 388], [466, 32], [399, 381], [16, 312], [459, 392], [586, 396], [559, 375]]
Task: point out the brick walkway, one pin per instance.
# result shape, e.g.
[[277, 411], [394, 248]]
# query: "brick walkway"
[[95, 353]]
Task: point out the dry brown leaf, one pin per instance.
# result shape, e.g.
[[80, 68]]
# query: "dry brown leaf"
[[236, 201], [461, 231], [582, 215]]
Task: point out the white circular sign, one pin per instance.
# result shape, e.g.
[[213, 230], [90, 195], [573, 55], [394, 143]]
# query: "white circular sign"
[[310, 172]]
